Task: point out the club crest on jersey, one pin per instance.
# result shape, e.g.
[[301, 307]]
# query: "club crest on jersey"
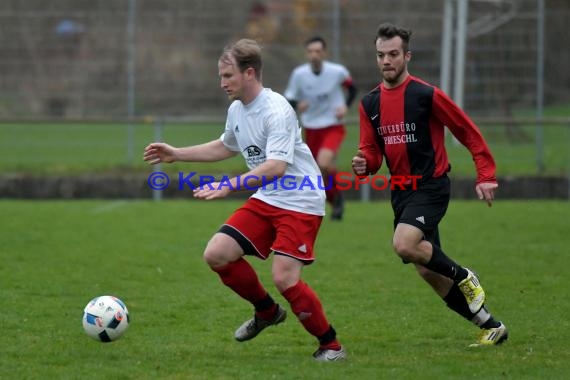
[[252, 151]]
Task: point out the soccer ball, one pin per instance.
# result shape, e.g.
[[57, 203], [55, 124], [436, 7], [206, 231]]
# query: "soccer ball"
[[105, 318]]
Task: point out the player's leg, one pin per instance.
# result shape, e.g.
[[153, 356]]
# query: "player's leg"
[[324, 144], [306, 305], [303, 300], [419, 231], [493, 332], [224, 256], [245, 232], [410, 245], [417, 215], [329, 143], [412, 248], [325, 159], [293, 249]]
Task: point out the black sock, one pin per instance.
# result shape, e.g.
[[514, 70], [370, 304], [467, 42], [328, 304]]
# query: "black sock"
[[327, 337], [455, 300], [264, 304], [443, 265]]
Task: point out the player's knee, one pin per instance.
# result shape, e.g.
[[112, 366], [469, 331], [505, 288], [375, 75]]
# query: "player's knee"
[[283, 280], [222, 250], [212, 257], [405, 249], [215, 255]]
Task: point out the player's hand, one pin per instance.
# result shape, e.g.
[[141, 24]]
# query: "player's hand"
[[486, 191], [302, 106], [359, 163], [159, 152], [341, 111], [213, 192]]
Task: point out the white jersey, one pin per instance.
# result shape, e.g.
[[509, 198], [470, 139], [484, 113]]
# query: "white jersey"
[[267, 128], [323, 92]]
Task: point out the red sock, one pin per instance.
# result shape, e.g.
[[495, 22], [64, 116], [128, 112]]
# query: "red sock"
[[242, 279], [331, 192], [307, 307]]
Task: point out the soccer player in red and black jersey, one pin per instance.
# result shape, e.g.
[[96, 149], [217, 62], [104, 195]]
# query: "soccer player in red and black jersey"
[[402, 121]]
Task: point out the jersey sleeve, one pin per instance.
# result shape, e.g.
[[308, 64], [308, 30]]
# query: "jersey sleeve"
[[292, 92], [463, 128], [344, 76], [282, 128], [228, 137], [368, 145]]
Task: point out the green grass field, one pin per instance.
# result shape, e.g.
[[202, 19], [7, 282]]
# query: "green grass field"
[[56, 256], [87, 148]]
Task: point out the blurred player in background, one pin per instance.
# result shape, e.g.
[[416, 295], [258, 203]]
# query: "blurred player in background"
[[317, 91], [403, 120], [263, 127]]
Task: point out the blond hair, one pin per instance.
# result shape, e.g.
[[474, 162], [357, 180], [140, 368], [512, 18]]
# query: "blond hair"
[[247, 53]]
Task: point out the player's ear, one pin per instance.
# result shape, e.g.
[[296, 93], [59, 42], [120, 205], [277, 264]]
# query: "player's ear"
[[408, 55], [250, 73]]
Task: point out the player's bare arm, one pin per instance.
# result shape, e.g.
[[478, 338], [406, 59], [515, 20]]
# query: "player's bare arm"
[[264, 173], [209, 152]]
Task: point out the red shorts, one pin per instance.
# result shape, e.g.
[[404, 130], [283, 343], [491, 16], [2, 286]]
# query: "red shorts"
[[260, 228], [328, 138]]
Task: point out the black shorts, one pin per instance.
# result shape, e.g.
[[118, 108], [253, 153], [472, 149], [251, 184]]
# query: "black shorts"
[[423, 208]]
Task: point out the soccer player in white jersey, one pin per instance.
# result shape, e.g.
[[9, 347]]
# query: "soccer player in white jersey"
[[321, 91], [263, 126]]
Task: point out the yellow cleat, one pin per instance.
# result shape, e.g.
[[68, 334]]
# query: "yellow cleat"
[[473, 291], [492, 337]]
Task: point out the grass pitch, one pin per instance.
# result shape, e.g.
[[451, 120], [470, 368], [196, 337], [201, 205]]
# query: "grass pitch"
[[56, 256]]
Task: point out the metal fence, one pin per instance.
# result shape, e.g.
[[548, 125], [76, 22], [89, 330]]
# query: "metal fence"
[[130, 61], [103, 58]]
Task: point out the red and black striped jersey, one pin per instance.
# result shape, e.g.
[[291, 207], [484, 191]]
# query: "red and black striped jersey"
[[405, 125]]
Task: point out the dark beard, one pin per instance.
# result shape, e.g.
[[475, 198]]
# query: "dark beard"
[[396, 78]]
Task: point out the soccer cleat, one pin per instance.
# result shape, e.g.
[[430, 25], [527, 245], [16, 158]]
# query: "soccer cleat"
[[473, 291], [492, 337], [338, 207], [255, 325], [327, 355]]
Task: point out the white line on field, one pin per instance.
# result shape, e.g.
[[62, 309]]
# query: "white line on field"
[[108, 207]]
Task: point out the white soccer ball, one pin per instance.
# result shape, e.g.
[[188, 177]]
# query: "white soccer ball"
[[105, 318]]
